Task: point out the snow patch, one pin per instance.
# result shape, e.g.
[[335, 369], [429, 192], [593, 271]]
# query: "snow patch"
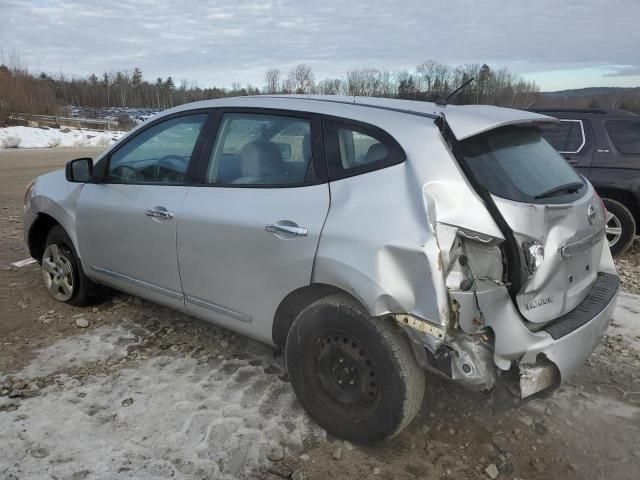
[[164, 417], [31, 137], [97, 345]]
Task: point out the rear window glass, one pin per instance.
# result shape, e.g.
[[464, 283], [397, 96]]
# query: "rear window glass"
[[567, 136], [355, 148], [625, 135], [517, 163], [358, 148]]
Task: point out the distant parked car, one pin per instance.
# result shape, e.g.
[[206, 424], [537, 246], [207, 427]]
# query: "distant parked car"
[[604, 146], [370, 238]]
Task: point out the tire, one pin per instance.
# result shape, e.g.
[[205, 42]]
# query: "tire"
[[357, 377], [621, 226], [62, 272]]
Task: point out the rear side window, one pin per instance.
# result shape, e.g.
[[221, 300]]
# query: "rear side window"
[[625, 135], [354, 149], [566, 137], [517, 163]]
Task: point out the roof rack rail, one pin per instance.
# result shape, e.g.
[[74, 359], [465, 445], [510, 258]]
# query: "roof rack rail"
[[344, 102]]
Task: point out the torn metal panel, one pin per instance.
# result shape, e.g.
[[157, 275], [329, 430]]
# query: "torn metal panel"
[[472, 363], [538, 377]]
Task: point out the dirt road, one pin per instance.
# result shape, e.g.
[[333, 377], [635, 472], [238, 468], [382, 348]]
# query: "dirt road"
[[145, 392]]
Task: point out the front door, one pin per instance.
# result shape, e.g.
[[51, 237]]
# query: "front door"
[[127, 222], [248, 234]]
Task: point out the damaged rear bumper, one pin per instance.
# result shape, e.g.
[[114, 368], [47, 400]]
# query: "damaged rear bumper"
[[545, 358], [528, 361], [570, 339]]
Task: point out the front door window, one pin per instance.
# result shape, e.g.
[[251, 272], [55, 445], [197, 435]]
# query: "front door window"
[[158, 155]]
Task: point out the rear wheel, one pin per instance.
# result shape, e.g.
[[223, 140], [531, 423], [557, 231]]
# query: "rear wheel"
[[621, 226], [356, 376], [62, 273]]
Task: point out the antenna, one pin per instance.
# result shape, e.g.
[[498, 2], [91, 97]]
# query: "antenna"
[[446, 99]]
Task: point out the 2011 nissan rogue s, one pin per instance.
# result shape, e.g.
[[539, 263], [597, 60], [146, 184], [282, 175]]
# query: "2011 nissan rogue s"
[[370, 238]]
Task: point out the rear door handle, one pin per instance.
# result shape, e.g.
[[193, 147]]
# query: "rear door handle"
[[572, 161], [287, 230], [159, 212]]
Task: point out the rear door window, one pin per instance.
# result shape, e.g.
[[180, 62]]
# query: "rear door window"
[[261, 150], [625, 135], [566, 137], [517, 163]]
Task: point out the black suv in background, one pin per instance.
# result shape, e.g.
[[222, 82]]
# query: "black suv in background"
[[604, 146]]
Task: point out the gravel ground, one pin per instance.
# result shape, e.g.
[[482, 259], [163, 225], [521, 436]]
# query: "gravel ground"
[[129, 389], [629, 268]]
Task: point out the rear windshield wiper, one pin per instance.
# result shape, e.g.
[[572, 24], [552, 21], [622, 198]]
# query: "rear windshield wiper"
[[567, 187]]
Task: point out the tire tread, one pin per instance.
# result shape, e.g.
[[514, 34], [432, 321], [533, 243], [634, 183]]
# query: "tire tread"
[[413, 377]]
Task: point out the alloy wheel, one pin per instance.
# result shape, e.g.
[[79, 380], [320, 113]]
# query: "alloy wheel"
[[57, 272], [613, 229]]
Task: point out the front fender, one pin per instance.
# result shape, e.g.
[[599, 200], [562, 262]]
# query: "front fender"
[[54, 196]]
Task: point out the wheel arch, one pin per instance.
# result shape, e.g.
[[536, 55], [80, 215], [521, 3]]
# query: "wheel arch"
[[295, 302], [38, 233]]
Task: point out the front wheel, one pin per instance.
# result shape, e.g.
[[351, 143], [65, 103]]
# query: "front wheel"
[[356, 376], [620, 226], [62, 273]]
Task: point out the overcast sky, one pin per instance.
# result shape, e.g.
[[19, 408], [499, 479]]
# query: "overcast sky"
[[558, 43]]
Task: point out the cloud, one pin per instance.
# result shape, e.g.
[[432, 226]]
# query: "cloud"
[[219, 42], [622, 71]]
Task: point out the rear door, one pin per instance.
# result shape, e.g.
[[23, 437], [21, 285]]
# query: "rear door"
[[127, 223], [248, 233]]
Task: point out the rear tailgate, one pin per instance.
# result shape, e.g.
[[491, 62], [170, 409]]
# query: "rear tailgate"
[[555, 217], [572, 242]]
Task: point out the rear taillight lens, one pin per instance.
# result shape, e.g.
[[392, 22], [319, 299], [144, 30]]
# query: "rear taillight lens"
[[533, 255]]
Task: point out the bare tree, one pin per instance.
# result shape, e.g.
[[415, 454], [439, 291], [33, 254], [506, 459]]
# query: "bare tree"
[[301, 78], [272, 80], [329, 86]]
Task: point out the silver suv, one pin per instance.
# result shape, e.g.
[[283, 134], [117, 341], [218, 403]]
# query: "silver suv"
[[370, 238]]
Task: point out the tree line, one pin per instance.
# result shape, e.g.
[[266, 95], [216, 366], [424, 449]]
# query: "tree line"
[[24, 92]]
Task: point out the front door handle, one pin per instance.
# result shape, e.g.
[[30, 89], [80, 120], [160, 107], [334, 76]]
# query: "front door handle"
[[572, 161], [159, 212], [287, 230]]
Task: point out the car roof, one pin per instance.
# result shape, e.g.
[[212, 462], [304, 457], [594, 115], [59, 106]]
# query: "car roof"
[[464, 120]]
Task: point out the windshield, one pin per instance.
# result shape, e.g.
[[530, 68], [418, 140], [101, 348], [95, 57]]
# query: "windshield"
[[517, 163]]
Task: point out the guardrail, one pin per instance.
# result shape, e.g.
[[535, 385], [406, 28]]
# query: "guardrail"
[[67, 121]]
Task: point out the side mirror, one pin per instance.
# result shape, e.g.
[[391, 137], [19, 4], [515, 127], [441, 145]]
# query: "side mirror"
[[79, 170]]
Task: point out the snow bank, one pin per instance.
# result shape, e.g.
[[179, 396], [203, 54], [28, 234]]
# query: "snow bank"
[[31, 137]]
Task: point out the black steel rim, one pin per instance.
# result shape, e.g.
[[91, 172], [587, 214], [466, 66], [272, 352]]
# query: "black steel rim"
[[347, 374]]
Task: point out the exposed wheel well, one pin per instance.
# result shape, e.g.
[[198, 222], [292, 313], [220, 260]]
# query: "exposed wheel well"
[[294, 303], [38, 234], [625, 198]]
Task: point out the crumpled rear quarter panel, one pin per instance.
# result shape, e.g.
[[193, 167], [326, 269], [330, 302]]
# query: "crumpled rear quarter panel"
[[378, 242]]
